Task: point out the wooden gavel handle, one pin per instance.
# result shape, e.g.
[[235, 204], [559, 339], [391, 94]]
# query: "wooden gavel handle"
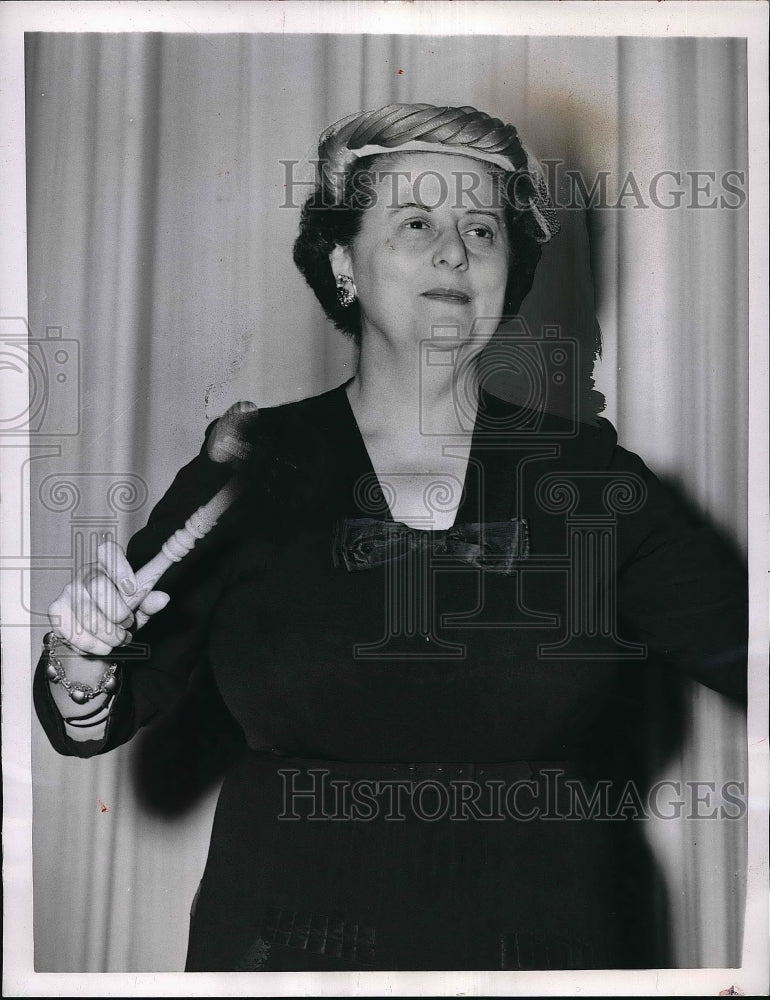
[[228, 445], [175, 548]]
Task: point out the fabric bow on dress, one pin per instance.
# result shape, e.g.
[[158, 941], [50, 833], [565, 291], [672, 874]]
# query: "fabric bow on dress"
[[496, 546]]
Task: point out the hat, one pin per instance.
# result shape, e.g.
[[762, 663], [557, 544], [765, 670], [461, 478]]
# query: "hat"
[[427, 128]]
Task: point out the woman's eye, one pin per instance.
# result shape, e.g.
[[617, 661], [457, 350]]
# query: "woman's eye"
[[416, 224], [482, 231]]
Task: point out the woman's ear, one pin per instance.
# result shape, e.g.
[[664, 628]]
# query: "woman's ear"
[[341, 262]]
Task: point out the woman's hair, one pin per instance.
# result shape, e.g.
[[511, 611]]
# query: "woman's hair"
[[325, 224]]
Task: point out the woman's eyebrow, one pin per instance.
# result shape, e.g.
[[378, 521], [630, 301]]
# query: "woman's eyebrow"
[[410, 204], [497, 215], [492, 213]]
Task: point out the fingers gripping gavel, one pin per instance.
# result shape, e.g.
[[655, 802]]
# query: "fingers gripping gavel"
[[106, 599]]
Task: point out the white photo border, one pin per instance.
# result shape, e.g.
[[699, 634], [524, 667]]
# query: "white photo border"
[[542, 17]]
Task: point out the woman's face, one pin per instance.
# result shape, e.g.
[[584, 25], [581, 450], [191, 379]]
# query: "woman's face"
[[431, 257]]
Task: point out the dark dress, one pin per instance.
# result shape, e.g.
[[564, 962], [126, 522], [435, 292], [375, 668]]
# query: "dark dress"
[[426, 716]]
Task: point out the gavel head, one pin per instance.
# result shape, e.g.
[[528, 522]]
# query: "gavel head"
[[228, 442]]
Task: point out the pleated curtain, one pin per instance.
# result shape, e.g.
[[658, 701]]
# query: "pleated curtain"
[[164, 177]]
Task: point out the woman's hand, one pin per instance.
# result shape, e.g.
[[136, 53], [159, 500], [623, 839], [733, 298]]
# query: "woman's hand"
[[98, 610]]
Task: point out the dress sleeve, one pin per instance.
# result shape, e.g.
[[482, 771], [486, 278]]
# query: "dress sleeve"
[[682, 588], [155, 669]]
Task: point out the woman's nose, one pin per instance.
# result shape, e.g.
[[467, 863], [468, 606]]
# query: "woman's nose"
[[450, 251]]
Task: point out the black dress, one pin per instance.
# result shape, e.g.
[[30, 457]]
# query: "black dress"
[[432, 773]]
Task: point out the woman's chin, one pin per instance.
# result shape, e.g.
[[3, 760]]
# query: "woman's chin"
[[449, 326], [432, 336]]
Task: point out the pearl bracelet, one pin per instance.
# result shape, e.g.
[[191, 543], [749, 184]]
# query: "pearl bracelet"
[[77, 690]]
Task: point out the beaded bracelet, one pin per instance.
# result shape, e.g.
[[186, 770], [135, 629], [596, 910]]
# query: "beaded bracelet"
[[77, 690]]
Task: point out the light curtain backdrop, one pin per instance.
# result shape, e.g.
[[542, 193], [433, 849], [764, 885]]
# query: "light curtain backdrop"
[[157, 243]]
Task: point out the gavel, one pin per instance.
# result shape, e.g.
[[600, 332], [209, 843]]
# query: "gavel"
[[227, 444]]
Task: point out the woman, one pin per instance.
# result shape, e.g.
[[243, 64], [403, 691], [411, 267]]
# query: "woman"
[[421, 610]]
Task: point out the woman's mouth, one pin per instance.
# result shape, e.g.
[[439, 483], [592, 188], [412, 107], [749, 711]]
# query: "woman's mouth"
[[447, 295]]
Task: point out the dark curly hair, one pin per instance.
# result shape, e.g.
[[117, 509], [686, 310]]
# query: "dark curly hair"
[[324, 226]]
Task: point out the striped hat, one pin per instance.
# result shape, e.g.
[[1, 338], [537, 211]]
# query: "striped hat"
[[427, 128]]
